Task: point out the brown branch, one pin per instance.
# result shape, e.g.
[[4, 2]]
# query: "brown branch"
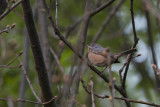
[[57, 32], [57, 60], [151, 44], [129, 57], [107, 20], [29, 101], [92, 93], [15, 58], [81, 45], [10, 9], [108, 3], [8, 27], [119, 98], [6, 66], [46, 90], [111, 83], [76, 53], [29, 82], [128, 60], [56, 17], [156, 70]]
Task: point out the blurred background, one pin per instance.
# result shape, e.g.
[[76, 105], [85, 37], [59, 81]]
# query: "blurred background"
[[110, 27]]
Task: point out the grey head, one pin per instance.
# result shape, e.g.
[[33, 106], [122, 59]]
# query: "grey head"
[[96, 48]]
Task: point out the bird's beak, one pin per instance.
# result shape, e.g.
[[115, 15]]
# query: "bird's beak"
[[89, 47]]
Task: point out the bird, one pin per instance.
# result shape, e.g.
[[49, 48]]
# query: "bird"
[[102, 57]]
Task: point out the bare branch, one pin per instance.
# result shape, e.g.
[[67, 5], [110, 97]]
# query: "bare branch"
[[29, 101], [45, 86], [92, 93], [10, 9], [107, 20], [108, 3], [119, 98], [134, 45], [8, 27], [57, 60], [29, 82]]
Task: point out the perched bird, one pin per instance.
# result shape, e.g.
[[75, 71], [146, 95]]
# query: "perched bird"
[[102, 57]]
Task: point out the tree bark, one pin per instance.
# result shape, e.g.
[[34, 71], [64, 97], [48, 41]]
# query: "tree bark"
[[37, 53]]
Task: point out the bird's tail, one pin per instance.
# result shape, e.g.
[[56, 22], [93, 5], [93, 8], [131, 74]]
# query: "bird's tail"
[[125, 52]]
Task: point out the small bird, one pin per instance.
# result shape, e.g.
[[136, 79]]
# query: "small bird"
[[102, 57]]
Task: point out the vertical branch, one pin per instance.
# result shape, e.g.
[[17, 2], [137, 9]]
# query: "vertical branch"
[[81, 45], [37, 53], [92, 93], [150, 39], [129, 57], [25, 64], [56, 13], [111, 84], [134, 45], [43, 34]]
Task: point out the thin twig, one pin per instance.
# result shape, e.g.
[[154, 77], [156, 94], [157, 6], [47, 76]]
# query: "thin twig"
[[119, 98], [15, 58], [10, 9], [57, 32], [92, 93], [6, 66], [29, 101], [108, 3], [8, 27], [156, 70], [151, 44], [28, 80], [56, 13], [111, 83], [107, 20], [57, 60], [134, 45]]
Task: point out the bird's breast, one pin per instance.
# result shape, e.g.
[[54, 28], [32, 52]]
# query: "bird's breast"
[[96, 59]]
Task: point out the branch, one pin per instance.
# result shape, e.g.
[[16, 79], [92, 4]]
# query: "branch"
[[29, 82], [57, 60], [57, 32], [101, 7], [76, 53], [156, 70], [37, 53], [29, 101], [92, 93], [151, 44], [7, 65], [8, 27], [107, 20], [10, 9], [128, 60], [119, 98]]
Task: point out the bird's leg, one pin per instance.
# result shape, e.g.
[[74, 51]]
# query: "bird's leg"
[[103, 70]]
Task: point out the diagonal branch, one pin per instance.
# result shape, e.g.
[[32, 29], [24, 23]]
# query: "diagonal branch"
[[101, 7], [10, 9], [107, 20]]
